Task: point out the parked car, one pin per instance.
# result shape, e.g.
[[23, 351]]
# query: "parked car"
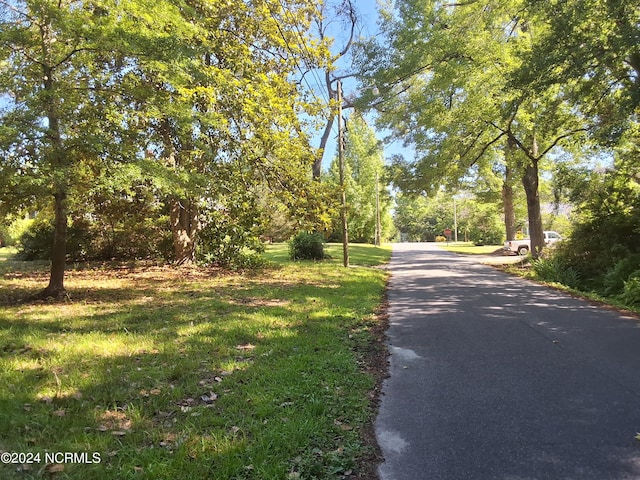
[[522, 246]]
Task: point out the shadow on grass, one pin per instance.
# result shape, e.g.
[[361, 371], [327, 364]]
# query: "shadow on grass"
[[191, 378], [188, 374]]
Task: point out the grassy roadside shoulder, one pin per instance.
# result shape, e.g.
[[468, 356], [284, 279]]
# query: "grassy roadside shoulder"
[[524, 269], [156, 373]]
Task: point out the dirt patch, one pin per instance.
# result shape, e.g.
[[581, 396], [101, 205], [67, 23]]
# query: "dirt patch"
[[259, 302]]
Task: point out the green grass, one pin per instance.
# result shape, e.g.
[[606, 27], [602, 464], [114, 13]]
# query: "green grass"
[[6, 253], [359, 254], [192, 374], [469, 248], [524, 270]]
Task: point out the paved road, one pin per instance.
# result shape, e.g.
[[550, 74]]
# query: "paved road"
[[494, 377]]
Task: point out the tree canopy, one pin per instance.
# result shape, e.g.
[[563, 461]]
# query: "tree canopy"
[[195, 99], [364, 169], [451, 77]]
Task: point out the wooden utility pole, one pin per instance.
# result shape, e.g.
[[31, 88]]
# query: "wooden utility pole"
[[343, 193]]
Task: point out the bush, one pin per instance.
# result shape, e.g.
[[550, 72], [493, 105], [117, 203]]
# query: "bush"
[[485, 228], [306, 246], [238, 262], [92, 240], [616, 276], [230, 237], [631, 292], [553, 269], [36, 242]]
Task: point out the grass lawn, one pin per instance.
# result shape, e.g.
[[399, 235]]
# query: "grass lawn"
[[469, 248], [161, 373]]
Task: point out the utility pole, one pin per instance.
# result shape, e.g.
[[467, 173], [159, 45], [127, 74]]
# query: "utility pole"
[[343, 193]]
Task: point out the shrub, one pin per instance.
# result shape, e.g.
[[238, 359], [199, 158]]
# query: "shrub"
[[306, 246], [488, 233], [617, 275], [631, 292], [36, 242], [91, 240], [553, 269], [246, 260], [230, 237]]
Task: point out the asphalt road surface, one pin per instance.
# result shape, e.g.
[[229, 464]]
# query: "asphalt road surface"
[[495, 377]]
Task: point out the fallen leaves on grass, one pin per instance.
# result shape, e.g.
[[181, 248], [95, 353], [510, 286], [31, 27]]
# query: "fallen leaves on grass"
[[116, 422], [54, 468], [210, 398]]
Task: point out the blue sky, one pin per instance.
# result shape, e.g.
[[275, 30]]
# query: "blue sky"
[[368, 27]]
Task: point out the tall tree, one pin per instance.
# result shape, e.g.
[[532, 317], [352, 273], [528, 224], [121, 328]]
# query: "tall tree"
[[446, 91], [364, 165], [56, 79], [228, 120], [344, 12]]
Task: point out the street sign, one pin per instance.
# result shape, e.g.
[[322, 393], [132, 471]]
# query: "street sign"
[[447, 232]]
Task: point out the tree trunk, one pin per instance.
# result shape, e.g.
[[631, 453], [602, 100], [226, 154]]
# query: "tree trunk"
[[507, 192], [185, 225], [58, 162], [56, 289], [183, 213], [530, 182], [509, 211], [317, 164]]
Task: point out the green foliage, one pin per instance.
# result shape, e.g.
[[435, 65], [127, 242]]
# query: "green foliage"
[[159, 110], [421, 219], [615, 278], [231, 230], [446, 72], [592, 47], [123, 222], [307, 246], [631, 291], [11, 231], [364, 163], [36, 242], [112, 225], [552, 269], [604, 244], [484, 225], [603, 249]]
